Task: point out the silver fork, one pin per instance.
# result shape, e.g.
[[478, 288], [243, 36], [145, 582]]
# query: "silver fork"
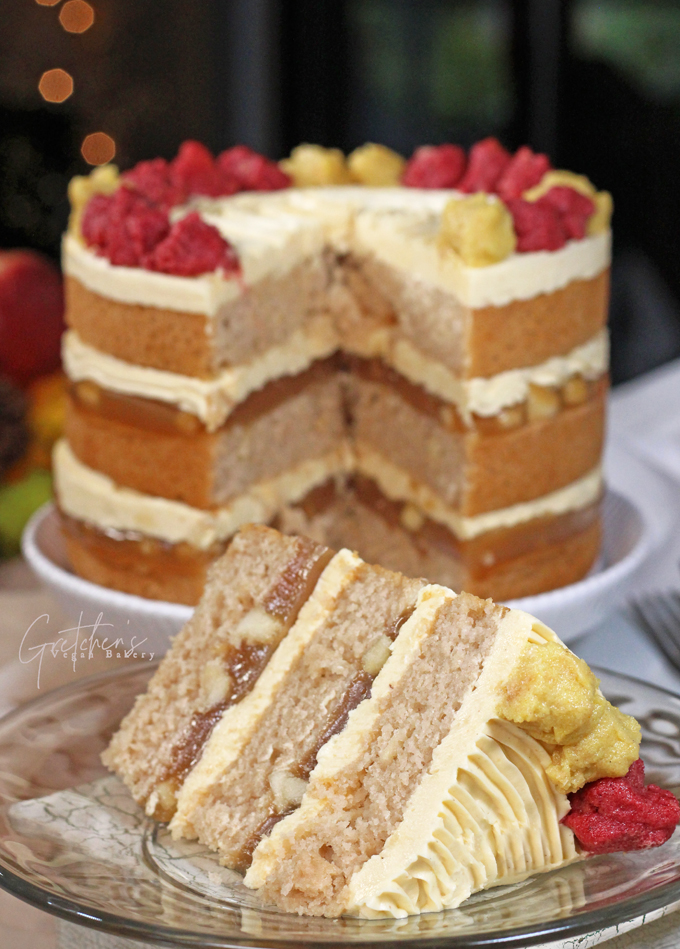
[[659, 616]]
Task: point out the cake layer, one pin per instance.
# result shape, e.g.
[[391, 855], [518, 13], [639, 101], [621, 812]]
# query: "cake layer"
[[255, 595], [90, 496], [263, 750], [212, 400], [529, 558], [155, 449], [475, 471], [193, 344], [482, 342]]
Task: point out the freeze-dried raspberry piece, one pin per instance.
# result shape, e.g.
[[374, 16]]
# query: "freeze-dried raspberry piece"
[[574, 209], [538, 225], [621, 814], [252, 171], [153, 179], [434, 166], [123, 226], [486, 163], [191, 248], [526, 168], [194, 169]]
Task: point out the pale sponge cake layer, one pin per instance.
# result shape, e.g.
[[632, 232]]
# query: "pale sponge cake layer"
[[251, 599], [425, 796], [253, 769]]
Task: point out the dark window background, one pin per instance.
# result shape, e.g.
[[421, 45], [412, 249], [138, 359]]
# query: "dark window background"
[[596, 84]]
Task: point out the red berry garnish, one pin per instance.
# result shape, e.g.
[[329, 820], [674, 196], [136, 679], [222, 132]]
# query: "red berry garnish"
[[621, 814], [194, 169], [123, 226], [153, 179], [574, 209], [434, 166], [486, 163], [252, 171], [526, 168], [538, 225], [193, 247]]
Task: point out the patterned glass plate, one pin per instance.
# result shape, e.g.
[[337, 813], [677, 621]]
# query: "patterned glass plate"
[[73, 843]]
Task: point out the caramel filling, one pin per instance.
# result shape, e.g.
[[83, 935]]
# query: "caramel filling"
[[481, 555], [157, 416], [358, 689], [542, 401], [243, 664], [151, 415]]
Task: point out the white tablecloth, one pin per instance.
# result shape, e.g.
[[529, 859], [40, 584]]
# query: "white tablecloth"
[[644, 424]]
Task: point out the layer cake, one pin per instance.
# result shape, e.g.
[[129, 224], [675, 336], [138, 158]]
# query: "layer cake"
[[352, 373]]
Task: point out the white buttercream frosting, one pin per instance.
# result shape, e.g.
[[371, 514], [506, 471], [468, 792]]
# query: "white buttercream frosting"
[[134, 285], [211, 400], [272, 232], [488, 396], [88, 495], [399, 485]]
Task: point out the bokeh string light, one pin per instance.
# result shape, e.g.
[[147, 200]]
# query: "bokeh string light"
[[55, 85], [76, 16], [98, 148], [47, 3]]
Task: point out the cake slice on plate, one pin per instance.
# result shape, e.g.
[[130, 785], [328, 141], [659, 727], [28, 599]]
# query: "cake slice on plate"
[[401, 748]]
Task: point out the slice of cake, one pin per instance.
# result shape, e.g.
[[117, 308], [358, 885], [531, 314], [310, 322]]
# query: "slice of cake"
[[397, 749]]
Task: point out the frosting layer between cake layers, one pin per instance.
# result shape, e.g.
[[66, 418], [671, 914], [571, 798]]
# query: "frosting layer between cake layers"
[[512, 358]]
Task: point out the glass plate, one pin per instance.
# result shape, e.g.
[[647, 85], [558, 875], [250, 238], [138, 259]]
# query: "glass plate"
[[73, 843]]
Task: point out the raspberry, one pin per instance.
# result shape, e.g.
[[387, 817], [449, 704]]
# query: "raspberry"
[[538, 225], [153, 179], [123, 226], [194, 169], [525, 170], [621, 814], [574, 209], [486, 163], [434, 166], [252, 171], [191, 248]]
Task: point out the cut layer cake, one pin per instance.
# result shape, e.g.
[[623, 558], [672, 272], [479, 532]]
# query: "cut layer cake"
[[415, 372]]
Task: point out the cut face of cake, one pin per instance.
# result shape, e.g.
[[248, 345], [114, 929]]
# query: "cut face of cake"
[[400, 748], [408, 371], [253, 597]]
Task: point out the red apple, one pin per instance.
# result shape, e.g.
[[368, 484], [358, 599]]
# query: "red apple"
[[31, 315]]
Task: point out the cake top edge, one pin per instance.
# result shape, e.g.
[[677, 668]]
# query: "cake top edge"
[[481, 208]]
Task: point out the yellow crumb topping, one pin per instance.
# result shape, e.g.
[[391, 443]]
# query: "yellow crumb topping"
[[555, 697], [375, 165], [600, 221], [314, 165], [102, 180], [478, 228]]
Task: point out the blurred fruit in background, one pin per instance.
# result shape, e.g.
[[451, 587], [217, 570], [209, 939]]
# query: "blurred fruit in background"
[[32, 387]]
